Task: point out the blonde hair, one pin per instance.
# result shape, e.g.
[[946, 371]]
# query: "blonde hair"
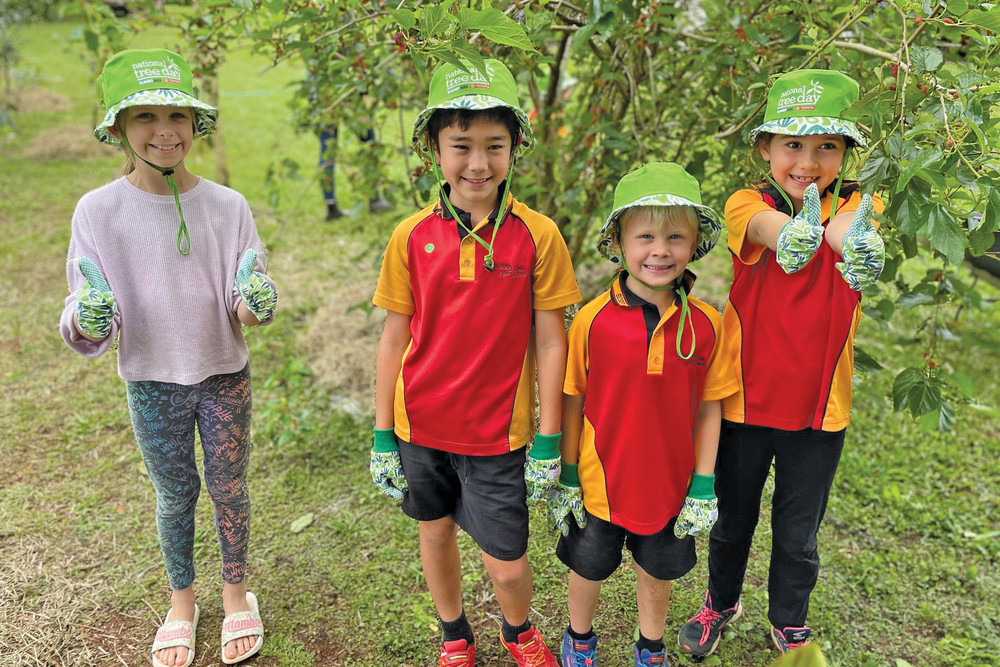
[[663, 217]]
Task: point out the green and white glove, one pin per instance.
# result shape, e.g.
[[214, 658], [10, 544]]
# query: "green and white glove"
[[801, 236], [386, 468], [565, 498], [864, 250], [95, 303], [542, 470], [700, 508], [253, 287]]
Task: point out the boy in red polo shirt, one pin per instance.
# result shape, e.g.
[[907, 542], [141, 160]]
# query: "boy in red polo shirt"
[[645, 376], [475, 286]]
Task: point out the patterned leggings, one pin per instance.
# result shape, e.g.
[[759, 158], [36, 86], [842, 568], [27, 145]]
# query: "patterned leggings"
[[164, 416]]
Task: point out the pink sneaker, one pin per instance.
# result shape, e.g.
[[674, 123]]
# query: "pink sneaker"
[[458, 653], [530, 650]]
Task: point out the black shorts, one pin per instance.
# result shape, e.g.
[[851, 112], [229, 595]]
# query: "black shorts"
[[484, 495], [595, 552]]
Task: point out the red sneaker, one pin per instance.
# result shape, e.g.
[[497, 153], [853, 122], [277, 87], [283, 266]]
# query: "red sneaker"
[[530, 650], [458, 653]]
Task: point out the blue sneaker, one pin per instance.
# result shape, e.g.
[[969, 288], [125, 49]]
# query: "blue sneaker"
[[787, 639], [579, 652], [647, 658]]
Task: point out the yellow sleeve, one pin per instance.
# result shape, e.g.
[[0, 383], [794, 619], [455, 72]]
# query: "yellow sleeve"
[[393, 291], [854, 201], [553, 280], [578, 353], [740, 207], [720, 377]]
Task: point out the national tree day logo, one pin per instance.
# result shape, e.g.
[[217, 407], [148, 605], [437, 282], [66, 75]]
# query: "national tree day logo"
[[149, 70], [472, 79], [801, 98]]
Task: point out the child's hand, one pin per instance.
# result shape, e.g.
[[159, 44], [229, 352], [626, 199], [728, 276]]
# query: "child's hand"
[[542, 470], [95, 303], [565, 498], [801, 236], [864, 250], [258, 295], [700, 508], [385, 466]]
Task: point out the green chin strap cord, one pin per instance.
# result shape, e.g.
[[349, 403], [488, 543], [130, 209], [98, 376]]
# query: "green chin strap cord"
[[502, 209], [836, 190], [168, 174], [678, 287]]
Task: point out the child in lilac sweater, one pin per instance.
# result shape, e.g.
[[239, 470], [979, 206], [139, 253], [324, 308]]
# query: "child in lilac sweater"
[[175, 297]]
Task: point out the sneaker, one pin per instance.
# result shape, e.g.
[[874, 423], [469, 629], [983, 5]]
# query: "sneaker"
[[647, 658], [790, 638], [379, 205], [579, 652], [530, 650], [457, 653], [700, 635]]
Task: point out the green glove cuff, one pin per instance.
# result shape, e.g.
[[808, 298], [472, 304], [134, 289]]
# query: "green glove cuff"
[[702, 487], [568, 475], [546, 446], [385, 441]]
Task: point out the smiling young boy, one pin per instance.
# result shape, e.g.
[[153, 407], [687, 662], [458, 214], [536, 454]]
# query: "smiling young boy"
[[474, 287], [644, 379]]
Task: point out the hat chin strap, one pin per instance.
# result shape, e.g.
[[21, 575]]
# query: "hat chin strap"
[[168, 174], [678, 287], [488, 263], [836, 190]]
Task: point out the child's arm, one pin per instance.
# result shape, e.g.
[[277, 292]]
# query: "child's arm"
[[699, 511], [764, 227], [568, 497], [542, 470], [388, 362], [385, 467], [572, 425]]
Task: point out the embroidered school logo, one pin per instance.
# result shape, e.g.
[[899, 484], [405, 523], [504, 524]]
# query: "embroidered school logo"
[[803, 98], [696, 360], [460, 79], [511, 271], [148, 71]]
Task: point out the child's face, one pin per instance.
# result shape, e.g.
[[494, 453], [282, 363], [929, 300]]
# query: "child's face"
[[160, 134], [656, 252], [474, 161], [798, 161]]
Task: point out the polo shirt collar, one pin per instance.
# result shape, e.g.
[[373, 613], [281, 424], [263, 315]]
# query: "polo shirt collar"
[[442, 210], [623, 296]]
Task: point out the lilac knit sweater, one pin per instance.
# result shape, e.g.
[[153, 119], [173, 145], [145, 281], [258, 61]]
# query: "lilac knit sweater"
[[176, 314]]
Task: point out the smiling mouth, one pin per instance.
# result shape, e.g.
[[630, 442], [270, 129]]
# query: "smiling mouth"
[[659, 268], [476, 181], [804, 179], [165, 148]]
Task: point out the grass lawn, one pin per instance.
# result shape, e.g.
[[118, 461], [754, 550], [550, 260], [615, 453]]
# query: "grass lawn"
[[909, 548]]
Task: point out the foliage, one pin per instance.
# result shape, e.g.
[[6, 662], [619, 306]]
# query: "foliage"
[[611, 84]]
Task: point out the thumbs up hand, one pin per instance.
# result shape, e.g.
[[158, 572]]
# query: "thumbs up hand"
[[863, 249]]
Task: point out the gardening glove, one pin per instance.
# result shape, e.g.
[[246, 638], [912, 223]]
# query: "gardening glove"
[[864, 251], [256, 292], [801, 236], [386, 468], [542, 470], [565, 498], [700, 508], [95, 304]]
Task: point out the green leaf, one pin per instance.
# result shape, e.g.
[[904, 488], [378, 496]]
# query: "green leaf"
[[945, 234], [464, 49], [495, 26], [912, 299], [434, 20], [923, 160], [91, 40], [902, 385], [864, 362], [988, 19], [964, 384], [302, 523], [244, 4], [406, 19], [446, 54], [917, 392], [582, 36], [925, 58], [940, 420]]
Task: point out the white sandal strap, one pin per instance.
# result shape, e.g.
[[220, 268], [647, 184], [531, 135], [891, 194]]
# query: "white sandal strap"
[[241, 624]]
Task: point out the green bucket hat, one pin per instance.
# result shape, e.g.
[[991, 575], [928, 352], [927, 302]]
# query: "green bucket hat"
[[454, 88], [154, 77], [661, 184], [811, 101]]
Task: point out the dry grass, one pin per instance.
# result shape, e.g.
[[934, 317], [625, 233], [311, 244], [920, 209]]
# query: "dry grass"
[[35, 99], [66, 142]]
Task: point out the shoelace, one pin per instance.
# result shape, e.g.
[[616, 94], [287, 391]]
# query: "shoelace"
[[580, 659], [706, 617], [534, 651], [458, 658]]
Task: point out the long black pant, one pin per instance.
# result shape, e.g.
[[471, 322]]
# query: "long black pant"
[[805, 463]]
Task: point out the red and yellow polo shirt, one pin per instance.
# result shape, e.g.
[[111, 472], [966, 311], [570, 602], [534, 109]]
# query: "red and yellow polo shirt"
[[792, 334], [467, 384], [636, 450]]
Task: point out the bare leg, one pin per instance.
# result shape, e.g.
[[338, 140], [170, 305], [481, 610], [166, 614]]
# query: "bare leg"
[[653, 599], [583, 596], [234, 599], [512, 584], [442, 567]]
